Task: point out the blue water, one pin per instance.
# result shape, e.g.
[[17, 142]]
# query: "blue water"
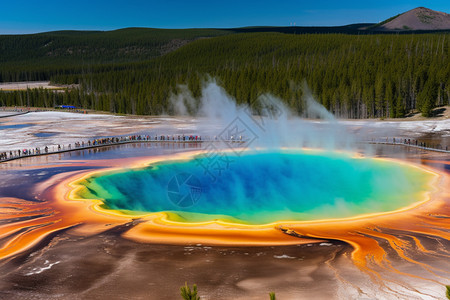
[[261, 188], [45, 134], [16, 126]]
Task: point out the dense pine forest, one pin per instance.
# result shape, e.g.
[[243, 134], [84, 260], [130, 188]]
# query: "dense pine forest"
[[353, 76], [39, 56]]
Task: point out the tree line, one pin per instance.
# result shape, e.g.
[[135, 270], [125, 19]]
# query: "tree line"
[[353, 76]]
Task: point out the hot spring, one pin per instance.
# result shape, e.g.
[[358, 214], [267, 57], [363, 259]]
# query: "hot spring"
[[261, 188]]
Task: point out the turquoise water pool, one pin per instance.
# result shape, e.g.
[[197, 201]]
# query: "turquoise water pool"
[[259, 188]]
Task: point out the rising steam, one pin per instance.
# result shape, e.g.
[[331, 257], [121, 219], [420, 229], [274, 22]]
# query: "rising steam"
[[267, 122]]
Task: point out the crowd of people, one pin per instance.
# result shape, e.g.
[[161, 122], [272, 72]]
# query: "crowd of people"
[[412, 142], [7, 155], [23, 110], [15, 109]]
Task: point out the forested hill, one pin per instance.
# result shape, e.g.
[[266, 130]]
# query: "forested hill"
[[100, 46], [354, 76], [124, 45], [40, 56]]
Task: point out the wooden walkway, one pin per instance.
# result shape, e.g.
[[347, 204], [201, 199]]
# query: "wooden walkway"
[[409, 145], [115, 144], [14, 114]]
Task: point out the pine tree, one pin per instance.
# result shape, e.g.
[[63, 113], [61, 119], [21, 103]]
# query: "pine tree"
[[189, 294]]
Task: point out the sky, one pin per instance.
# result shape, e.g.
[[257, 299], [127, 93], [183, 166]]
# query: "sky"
[[30, 16]]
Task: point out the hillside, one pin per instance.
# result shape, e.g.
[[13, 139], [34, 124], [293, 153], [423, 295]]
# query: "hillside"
[[40, 56], [352, 76], [102, 46], [420, 18], [353, 72]]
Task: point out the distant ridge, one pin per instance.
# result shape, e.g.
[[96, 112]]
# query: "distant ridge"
[[420, 18]]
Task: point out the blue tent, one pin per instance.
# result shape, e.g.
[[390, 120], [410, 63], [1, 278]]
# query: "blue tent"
[[67, 106]]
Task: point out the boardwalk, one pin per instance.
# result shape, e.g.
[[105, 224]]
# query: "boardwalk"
[[411, 143], [110, 141], [12, 114], [178, 139]]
